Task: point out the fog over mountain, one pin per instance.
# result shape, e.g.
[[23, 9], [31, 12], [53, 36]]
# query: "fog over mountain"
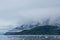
[[17, 12]]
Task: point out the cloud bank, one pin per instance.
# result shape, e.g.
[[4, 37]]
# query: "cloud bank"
[[14, 12]]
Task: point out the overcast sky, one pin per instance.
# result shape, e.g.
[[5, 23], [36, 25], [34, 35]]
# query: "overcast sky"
[[13, 12]]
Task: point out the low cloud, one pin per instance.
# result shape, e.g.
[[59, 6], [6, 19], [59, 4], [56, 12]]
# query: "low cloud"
[[14, 12]]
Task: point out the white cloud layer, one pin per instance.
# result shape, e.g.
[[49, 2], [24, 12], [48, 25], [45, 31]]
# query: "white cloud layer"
[[14, 11]]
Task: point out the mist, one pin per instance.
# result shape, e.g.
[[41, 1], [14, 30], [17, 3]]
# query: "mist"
[[18, 12]]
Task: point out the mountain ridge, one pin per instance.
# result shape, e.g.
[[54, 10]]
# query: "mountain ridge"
[[40, 30]]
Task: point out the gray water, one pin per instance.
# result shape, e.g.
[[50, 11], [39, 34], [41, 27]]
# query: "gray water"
[[29, 37]]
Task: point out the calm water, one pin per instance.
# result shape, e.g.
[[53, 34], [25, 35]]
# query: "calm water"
[[29, 37]]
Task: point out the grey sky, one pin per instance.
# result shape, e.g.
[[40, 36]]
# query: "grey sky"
[[14, 11]]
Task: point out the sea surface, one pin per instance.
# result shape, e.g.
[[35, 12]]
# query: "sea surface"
[[29, 37]]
